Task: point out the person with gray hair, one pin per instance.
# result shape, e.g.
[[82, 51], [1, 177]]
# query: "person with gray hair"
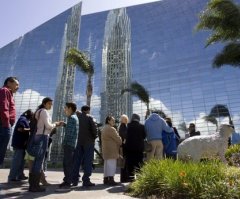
[[134, 146]]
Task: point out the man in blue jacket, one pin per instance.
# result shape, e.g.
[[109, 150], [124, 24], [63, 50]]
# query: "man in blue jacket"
[[154, 127]]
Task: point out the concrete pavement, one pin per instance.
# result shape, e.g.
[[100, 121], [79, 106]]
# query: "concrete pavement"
[[19, 190]]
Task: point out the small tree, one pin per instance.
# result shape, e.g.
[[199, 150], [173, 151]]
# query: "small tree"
[[79, 59], [139, 91]]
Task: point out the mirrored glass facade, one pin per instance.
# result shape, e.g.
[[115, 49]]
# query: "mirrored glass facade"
[[166, 56]]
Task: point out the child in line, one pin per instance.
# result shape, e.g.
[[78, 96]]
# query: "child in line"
[[69, 144]]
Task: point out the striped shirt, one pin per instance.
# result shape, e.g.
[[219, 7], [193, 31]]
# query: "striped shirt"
[[71, 131]]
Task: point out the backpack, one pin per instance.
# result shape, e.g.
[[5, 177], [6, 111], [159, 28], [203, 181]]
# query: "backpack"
[[169, 143]]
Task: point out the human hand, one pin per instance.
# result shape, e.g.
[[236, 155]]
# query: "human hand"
[[62, 123]]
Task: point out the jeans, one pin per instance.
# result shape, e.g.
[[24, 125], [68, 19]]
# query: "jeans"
[[5, 134], [68, 163], [17, 166], [38, 161], [83, 154]]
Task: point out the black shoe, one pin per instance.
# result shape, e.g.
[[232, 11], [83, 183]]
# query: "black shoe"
[[64, 187], [13, 180], [23, 178], [88, 184], [75, 184]]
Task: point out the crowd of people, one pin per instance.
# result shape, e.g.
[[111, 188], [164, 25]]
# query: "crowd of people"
[[125, 142]]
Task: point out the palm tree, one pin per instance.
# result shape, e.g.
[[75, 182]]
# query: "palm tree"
[[220, 110], [159, 112], [183, 127], [139, 91], [211, 119], [222, 18], [79, 59]]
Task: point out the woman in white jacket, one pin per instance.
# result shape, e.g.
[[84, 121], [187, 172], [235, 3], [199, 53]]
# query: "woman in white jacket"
[[44, 128]]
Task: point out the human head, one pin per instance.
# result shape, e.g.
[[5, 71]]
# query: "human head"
[[46, 103], [12, 83], [110, 120], [168, 121], [135, 117], [28, 114], [124, 119], [191, 127], [85, 109], [70, 108]]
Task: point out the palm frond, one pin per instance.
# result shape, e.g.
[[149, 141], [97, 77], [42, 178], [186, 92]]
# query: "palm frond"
[[211, 119], [230, 55], [219, 110], [222, 18], [76, 57], [139, 91]]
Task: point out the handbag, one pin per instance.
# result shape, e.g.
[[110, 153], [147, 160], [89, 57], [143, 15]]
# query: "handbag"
[[147, 146], [34, 147]]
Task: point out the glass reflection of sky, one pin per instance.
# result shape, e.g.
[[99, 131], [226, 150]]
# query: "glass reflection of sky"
[[168, 58]]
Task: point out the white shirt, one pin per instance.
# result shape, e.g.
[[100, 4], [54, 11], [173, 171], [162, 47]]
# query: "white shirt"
[[44, 120]]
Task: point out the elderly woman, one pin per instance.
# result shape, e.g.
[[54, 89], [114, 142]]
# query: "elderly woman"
[[123, 134], [111, 143]]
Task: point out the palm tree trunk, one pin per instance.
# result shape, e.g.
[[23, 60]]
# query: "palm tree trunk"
[[89, 89], [147, 112]]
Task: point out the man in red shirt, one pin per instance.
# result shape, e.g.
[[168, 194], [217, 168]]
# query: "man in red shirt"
[[7, 113]]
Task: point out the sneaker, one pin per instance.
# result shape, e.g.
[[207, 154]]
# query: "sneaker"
[[88, 184], [64, 187]]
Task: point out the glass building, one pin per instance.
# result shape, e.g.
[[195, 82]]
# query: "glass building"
[[163, 53], [116, 65]]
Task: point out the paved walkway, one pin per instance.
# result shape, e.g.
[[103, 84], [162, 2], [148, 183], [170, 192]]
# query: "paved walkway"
[[20, 190]]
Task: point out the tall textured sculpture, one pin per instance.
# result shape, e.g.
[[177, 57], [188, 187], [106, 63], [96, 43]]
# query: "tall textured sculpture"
[[66, 77], [116, 65]]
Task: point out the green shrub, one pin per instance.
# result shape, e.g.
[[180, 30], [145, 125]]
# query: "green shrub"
[[233, 155], [176, 179]]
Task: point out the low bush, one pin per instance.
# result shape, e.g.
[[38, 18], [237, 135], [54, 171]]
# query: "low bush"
[[168, 179], [233, 155]]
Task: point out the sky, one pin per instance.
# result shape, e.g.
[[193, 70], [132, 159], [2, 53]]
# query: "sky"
[[18, 17]]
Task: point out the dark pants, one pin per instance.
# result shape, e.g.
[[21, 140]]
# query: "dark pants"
[[38, 161], [17, 165], [83, 155], [134, 160], [5, 134], [68, 163], [171, 156]]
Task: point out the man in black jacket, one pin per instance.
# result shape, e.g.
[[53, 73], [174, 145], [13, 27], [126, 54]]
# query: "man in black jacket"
[[84, 152], [134, 145]]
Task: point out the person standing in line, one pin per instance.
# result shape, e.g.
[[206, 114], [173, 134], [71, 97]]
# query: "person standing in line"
[[84, 152], [7, 113], [19, 144], [123, 134], [69, 144], [111, 143], [44, 128], [154, 126], [170, 141], [134, 146], [192, 131]]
